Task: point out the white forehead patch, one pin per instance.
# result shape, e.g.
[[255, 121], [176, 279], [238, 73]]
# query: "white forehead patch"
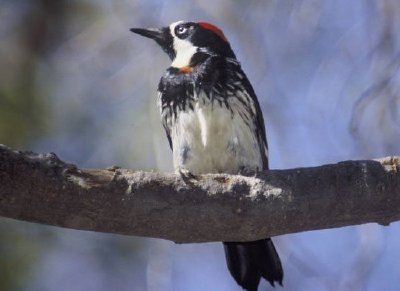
[[184, 49]]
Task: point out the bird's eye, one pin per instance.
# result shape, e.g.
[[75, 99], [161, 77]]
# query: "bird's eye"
[[181, 30]]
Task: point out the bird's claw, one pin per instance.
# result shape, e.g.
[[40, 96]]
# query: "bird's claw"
[[187, 176], [247, 172]]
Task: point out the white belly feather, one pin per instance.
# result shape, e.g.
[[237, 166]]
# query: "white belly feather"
[[209, 139]]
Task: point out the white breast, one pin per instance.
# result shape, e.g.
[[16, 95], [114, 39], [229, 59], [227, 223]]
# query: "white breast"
[[210, 139]]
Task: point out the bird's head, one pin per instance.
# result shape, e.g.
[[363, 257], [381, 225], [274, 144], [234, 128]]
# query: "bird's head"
[[189, 43]]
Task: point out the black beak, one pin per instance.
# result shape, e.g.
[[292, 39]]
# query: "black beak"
[[153, 33], [162, 36]]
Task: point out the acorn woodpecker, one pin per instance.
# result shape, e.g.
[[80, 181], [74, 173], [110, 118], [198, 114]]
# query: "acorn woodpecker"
[[214, 124]]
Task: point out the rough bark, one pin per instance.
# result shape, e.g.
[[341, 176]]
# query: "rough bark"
[[41, 188]]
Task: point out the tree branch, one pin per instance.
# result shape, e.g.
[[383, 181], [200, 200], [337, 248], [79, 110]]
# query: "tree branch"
[[41, 188]]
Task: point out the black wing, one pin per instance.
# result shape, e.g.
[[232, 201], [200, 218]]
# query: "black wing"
[[167, 131], [165, 112], [240, 78]]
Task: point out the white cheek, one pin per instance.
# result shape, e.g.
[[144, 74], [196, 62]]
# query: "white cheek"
[[184, 52], [184, 49]]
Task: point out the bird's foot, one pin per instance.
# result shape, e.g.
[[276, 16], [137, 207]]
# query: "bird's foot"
[[247, 172], [187, 176]]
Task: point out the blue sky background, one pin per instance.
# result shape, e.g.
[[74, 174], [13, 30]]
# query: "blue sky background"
[[327, 77]]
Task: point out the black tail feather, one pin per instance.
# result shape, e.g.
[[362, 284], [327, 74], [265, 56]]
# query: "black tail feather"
[[249, 261]]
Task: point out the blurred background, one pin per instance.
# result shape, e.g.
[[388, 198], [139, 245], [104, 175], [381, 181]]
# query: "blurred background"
[[76, 82]]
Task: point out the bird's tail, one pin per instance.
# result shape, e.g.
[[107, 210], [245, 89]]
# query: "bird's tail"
[[249, 261]]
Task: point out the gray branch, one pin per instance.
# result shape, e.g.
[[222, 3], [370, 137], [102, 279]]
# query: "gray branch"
[[215, 207]]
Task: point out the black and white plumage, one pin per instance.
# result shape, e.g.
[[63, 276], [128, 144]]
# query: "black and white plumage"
[[214, 124]]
